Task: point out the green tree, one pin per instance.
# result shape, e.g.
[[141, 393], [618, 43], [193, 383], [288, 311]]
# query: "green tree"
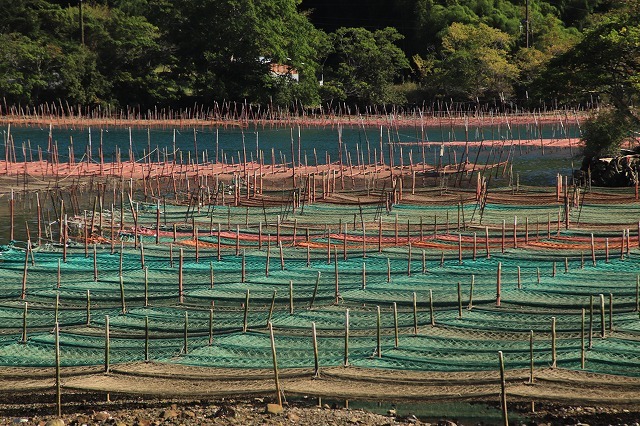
[[224, 48], [603, 134], [475, 63], [606, 63], [130, 56], [362, 65], [548, 39]]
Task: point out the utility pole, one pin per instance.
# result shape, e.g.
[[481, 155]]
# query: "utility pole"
[[81, 19], [526, 19]]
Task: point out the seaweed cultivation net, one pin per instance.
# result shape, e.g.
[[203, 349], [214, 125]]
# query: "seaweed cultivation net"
[[468, 303]]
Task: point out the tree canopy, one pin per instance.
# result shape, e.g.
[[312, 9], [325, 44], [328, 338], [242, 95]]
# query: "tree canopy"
[[149, 53], [606, 62]]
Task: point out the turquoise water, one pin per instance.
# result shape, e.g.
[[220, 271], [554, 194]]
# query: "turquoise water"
[[533, 167]]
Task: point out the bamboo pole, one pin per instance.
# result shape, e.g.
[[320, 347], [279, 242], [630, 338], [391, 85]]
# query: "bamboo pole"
[[275, 365], [346, 338], [268, 258], [498, 284], [316, 363], [415, 314], [186, 333], [503, 391], [246, 312], [272, 306], [290, 297], [243, 267], [88, 308], [23, 294], [211, 324], [180, 278], [58, 381], [582, 351], [337, 278], [146, 286], [610, 312], [554, 359], [531, 362], [364, 276], [378, 324], [146, 338], [459, 301], [602, 315], [315, 290], [24, 322], [432, 314], [590, 321], [395, 324], [106, 344]]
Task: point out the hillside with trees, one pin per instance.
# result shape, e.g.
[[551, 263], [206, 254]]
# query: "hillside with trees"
[[172, 53]]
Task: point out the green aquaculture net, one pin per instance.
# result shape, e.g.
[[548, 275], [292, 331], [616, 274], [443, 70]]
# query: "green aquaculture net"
[[451, 292]]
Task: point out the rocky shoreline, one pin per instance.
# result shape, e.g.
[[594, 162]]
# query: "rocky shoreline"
[[125, 411]]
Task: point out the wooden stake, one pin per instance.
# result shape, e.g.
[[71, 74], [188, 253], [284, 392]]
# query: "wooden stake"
[[610, 312], [486, 241], [122, 299], [180, 281], [246, 312], [315, 291], [395, 323], [346, 338], [106, 344], [146, 338], [531, 364], [58, 381], [146, 286], [503, 391], [24, 322], [364, 276], [553, 343], [211, 324], [582, 351], [23, 294], [316, 363], [271, 307], [275, 365], [186, 333], [243, 267], [590, 321], [602, 315], [88, 308], [432, 314], [415, 314], [498, 284], [290, 297], [459, 301], [637, 293], [388, 270], [378, 345], [337, 279], [95, 263], [281, 256]]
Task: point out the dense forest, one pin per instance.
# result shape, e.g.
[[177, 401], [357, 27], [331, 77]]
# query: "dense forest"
[[158, 53]]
